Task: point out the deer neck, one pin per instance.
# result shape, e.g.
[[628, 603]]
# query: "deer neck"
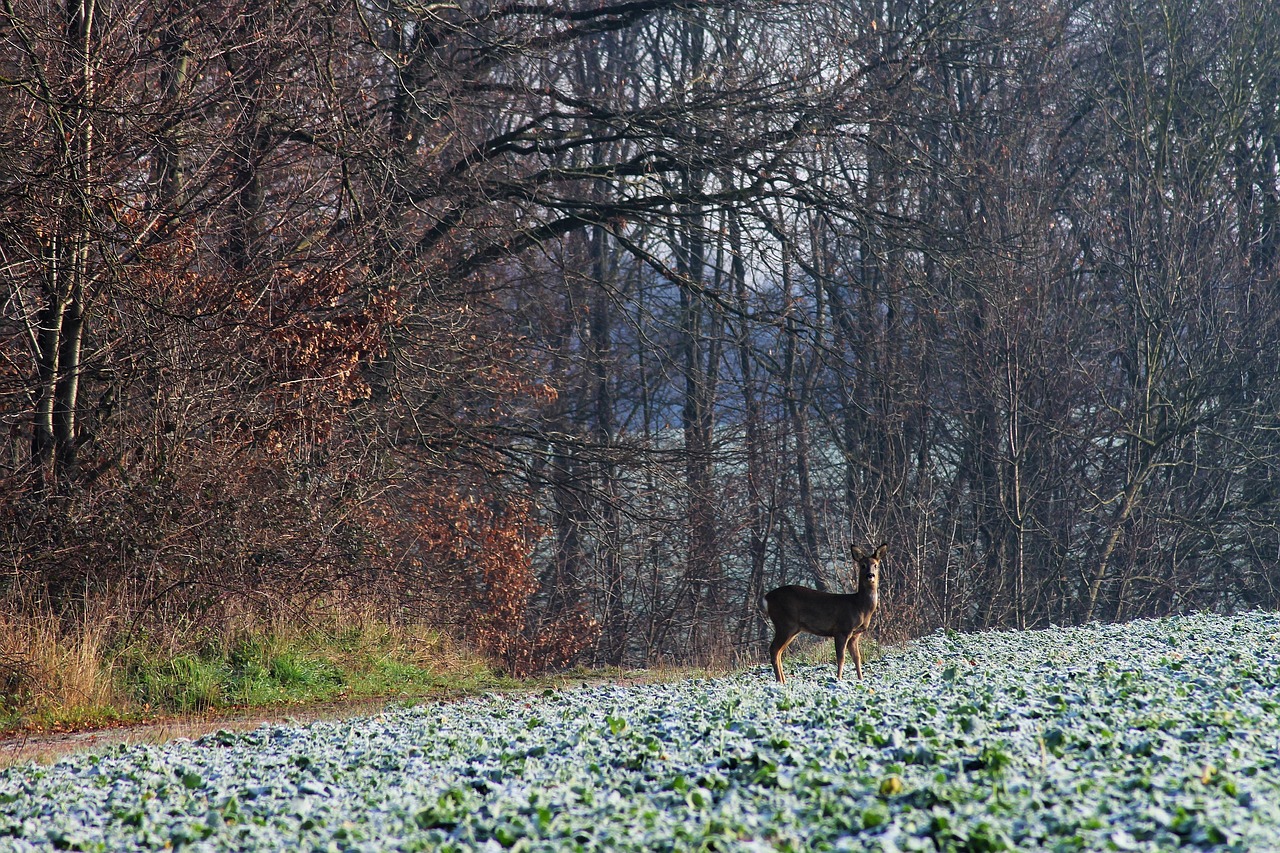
[[868, 594]]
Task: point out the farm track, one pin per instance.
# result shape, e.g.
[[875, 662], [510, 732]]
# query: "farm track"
[[46, 747], [17, 747]]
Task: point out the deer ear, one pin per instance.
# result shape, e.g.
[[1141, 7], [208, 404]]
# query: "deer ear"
[[882, 550], [857, 553]]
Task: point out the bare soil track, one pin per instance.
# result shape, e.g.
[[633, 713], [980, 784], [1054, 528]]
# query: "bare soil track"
[[21, 746]]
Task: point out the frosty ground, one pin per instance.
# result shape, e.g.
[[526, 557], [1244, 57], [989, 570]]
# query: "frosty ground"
[[1140, 736]]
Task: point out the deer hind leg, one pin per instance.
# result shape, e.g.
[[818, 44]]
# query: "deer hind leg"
[[780, 642]]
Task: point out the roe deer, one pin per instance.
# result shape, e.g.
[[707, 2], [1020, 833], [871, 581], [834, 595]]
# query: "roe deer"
[[844, 617]]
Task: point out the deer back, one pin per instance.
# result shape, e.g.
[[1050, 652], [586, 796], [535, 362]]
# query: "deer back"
[[825, 614]]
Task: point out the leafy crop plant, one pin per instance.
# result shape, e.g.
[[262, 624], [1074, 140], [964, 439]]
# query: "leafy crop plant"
[[1144, 736]]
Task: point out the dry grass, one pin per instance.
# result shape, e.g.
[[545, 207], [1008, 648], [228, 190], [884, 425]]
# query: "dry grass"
[[48, 663], [96, 668]]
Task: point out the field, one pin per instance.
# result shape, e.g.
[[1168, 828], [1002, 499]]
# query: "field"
[[1142, 736]]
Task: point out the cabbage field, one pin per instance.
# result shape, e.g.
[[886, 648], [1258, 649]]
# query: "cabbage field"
[[1143, 736]]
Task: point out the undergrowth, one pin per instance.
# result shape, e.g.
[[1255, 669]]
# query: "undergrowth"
[[287, 666], [55, 675], [808, 650]]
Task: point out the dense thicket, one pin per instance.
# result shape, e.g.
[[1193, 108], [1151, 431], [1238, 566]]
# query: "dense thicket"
[[578, 325]]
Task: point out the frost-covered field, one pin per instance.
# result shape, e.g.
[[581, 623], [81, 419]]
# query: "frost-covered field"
[[1143, 736]]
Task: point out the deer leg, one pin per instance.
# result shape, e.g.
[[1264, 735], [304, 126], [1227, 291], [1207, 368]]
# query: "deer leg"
[[776, 648], [857, 654], [841, 643]]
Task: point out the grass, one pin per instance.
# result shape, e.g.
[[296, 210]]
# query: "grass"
[[60, 677], [88, 672], [287, 667], [45, 664], [808, 650]]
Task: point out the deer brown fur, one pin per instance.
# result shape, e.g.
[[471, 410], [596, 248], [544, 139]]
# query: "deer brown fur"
[[842, 617]]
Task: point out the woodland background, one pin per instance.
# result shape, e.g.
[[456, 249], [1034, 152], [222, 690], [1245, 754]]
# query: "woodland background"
[[572, 326]]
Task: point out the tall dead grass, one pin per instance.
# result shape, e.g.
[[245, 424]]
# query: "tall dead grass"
[[49, 662], [97, 664]]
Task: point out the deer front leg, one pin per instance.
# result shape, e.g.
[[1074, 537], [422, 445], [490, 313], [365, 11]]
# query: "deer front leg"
[[857, 654], [841, 643]]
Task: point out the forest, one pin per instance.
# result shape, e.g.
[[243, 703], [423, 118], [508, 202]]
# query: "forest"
[[573, 326]]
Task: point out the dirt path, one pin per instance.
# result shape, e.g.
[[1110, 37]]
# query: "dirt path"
[[19, 747], [44, 747]]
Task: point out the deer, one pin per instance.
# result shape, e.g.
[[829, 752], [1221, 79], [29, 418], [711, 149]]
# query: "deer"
[[843, 617]]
